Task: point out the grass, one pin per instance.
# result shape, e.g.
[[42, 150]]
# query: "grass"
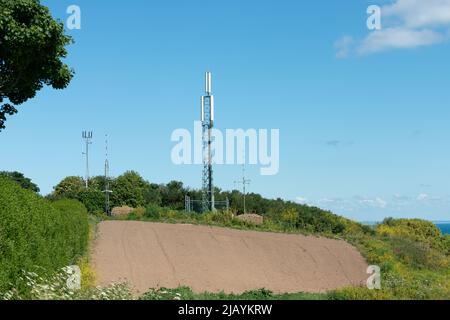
[[186, 293]]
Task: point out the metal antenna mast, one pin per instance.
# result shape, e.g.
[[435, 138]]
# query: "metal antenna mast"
[[107, 191], [245, 183], [87, 136], [207, 117]]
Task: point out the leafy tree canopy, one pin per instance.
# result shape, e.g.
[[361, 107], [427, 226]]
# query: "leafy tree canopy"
[[32, 46], [129, 189], [23, 181], [69, 188]]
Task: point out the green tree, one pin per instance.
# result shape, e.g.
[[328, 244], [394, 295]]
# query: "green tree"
[[173, 195], [23, 181], [93, 199], [69, 188], [129, 189], [32, 46], [152, 195]]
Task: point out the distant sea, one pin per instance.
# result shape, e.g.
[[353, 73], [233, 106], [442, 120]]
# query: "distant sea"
[[443, 225]]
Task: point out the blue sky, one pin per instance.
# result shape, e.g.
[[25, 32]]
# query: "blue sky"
[[363, 116]]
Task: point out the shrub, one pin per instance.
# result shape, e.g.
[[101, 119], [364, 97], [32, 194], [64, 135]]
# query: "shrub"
[[93, 199], [414, 229], [36, 236], [289, 217], [153, 212], [416, 254], [139, 212], [219, 218]]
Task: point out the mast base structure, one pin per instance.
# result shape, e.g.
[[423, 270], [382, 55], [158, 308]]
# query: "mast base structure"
[[207, 118]]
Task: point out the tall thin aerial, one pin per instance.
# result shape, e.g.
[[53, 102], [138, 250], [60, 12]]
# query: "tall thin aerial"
[[87, 136], [107, 191], [245, 182], [207, 118]]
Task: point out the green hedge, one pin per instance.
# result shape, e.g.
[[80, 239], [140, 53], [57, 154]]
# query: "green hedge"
[[36, 235]]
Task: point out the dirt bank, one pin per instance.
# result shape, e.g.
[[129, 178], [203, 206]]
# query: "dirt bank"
[[150, 255]]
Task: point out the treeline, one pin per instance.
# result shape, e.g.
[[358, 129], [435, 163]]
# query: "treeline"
[[132, 190]]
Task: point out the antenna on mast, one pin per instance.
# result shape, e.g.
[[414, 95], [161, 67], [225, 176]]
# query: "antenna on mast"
[[207, 118], [87, 136]]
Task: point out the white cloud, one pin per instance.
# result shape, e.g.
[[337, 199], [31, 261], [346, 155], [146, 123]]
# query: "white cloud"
[[423, 197], [419, 13], [398, 38], [301, 200], [343, 47], [376, 202], [405, 24]]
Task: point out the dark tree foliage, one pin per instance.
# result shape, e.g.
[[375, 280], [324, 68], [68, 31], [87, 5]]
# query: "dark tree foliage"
[[32, 46], [23, 181], [173, 195]]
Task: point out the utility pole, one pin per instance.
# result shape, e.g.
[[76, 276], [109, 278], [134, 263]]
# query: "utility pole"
[[245, 182], [107, 191], [87, 136]]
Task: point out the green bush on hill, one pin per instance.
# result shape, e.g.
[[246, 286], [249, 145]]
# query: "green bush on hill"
[[416, 230], [413, 258], [36, 235]]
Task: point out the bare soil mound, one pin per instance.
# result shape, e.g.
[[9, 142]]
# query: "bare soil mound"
[[152, 255], [251, 218]]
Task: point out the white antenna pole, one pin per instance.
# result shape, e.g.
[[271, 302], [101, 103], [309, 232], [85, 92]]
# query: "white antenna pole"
[[87, 136]]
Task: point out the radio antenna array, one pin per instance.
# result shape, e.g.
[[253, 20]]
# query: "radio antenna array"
[[87, 137], [207, 118]]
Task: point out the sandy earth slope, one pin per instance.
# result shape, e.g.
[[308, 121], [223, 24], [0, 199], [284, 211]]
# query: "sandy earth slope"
[[151, 255]]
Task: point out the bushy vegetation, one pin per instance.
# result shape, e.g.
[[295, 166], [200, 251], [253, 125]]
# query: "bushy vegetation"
[[413, 257], [36, 235], [166, 201], [186, 293], [54, 287], [416, 230], [130, 189]]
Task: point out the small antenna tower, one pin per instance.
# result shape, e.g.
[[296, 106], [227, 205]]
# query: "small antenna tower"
[[87, 136], [107, 191], [207, 117], [245, 182]]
